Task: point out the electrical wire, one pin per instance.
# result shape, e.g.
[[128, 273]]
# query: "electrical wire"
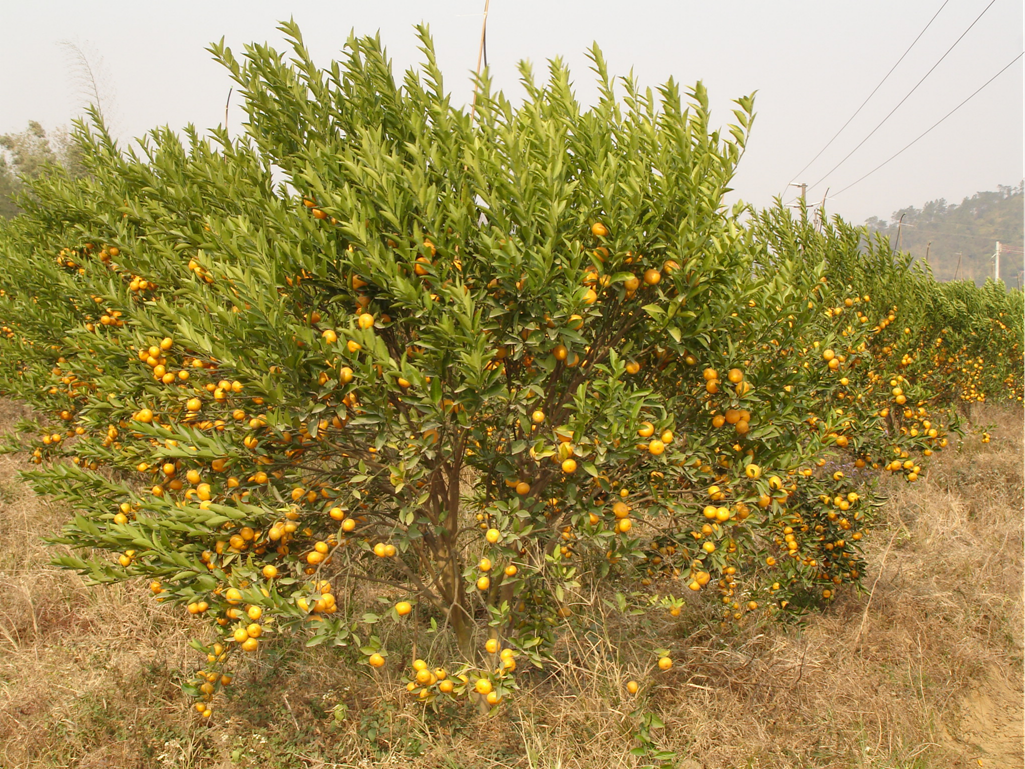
[[934, 66], [998, 74], [885, 77]]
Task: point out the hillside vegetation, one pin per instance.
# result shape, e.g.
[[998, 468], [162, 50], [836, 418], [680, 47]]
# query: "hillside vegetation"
[[960, 239]]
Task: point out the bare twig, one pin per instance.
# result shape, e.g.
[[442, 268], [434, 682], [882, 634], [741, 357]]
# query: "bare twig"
[[480, 55]]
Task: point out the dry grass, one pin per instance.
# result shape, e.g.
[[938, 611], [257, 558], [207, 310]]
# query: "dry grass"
[[925, 671]]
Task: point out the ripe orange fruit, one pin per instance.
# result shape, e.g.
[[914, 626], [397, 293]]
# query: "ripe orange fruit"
[[569, 466], [493, 535], [484, 583], [599, 230], [665, 663], [402, 608], [632, 687], [376, 660], [522, 488], [652, 276], [656, 447], [491, 646], [483, 686]]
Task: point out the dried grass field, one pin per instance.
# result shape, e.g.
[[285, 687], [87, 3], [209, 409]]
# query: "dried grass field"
[[922, 669]]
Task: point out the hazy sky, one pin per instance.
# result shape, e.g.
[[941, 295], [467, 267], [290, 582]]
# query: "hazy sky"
[[812, 64]]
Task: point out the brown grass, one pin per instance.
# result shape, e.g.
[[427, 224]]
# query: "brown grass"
[[923, 671]]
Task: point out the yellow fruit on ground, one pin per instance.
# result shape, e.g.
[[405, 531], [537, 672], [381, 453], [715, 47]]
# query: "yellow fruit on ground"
[[665, 663]]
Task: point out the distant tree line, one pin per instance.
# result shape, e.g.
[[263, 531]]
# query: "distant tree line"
[[26, 154], [959, 241]]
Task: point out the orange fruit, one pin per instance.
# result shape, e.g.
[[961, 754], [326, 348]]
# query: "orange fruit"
[[376, 660], [402, 608]]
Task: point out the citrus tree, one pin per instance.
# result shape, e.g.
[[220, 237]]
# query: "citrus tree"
[[487, 365]]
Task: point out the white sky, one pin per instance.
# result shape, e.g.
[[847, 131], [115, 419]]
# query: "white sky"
[[811, 62]]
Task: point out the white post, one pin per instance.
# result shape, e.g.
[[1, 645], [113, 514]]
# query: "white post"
[[996, 265]]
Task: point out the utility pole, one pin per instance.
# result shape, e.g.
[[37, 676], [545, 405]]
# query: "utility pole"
[[996, 264], [804, 190]]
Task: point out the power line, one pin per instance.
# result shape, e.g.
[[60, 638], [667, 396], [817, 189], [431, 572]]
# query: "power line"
[[858, 110], [934, 66], [998, 74]]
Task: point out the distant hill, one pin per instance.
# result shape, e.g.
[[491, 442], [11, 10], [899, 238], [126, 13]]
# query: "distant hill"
[[961, 239]]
